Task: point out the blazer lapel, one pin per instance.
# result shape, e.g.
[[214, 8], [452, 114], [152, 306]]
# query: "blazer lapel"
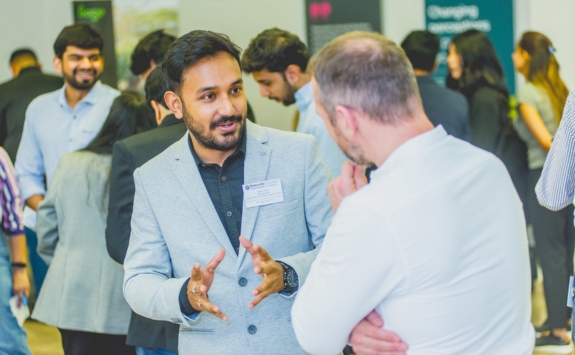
[[255, 170], [187, 173]]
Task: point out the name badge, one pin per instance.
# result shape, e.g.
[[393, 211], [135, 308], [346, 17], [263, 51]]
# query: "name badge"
[[263, 193]]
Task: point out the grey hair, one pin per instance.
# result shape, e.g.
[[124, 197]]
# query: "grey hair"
[[369, 73]]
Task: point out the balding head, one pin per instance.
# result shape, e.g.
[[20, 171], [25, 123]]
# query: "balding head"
[[369, 73], [21, 59]]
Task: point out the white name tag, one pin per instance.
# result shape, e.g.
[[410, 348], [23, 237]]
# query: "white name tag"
[[263, 193]]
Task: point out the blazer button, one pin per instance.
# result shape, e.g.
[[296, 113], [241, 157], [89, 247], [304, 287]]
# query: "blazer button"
[[243, 282], [252, 329]]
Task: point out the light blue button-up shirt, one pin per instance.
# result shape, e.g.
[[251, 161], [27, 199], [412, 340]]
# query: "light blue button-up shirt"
[[52, 128], [311, 123]]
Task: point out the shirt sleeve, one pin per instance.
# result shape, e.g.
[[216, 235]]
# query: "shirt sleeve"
[[344, 283], [11, 203], [557, 182], [528, 94], [30, 169]]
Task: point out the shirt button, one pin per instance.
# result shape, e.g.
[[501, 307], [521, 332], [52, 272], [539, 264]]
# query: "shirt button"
[[243, 282], [223, 178], [252, 329], [229, 213], [262, 153]]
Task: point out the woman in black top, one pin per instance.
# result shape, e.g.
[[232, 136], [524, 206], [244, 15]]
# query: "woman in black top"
[[476, 72]]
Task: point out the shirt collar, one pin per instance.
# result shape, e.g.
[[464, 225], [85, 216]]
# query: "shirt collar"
[[29, 70], [303, 97], [414, 146], [240, 149], [91, 98]]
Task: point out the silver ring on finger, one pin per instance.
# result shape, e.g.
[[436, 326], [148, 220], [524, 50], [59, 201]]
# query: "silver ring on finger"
[[194, 290]]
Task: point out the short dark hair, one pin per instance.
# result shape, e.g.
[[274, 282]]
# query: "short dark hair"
[[421, 47], [275, 50], [152, 47], [22, 52], [129, 114], [81, 36], [156, 86], [191, 48]]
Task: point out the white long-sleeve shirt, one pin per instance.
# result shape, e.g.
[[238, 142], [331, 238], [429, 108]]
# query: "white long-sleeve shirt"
[[436, 243]]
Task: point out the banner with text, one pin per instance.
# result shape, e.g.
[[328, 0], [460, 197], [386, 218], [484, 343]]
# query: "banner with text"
[[98, 14], [447, 18], [328, 19]]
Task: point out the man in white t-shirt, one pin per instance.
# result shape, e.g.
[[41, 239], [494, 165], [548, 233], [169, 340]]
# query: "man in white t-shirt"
[[436, 243]]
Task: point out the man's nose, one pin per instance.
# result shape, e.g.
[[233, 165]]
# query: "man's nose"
[[86, 63], [226, 107], [264, 92]]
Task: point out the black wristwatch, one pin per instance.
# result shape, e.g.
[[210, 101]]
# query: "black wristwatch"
[[291, 281]]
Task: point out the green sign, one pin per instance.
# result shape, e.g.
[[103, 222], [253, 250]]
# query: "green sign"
[[447, 18], [94, 14]]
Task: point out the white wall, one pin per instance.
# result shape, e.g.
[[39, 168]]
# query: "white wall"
[[36, 23]]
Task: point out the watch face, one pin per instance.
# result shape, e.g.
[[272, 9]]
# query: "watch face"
[[291, 278]]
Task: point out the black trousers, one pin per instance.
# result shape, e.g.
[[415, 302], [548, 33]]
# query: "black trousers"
[[554, 242], [85, 343]]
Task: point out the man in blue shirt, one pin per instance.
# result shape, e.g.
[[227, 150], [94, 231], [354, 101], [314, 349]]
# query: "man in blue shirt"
[[64, 120], [278, 59]]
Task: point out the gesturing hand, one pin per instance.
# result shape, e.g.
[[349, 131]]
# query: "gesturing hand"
[[352, 178], [200, 283], [268, 268]]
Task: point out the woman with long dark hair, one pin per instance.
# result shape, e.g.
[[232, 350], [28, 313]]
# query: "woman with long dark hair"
[[476, 72], [82, 294], [540, 104]]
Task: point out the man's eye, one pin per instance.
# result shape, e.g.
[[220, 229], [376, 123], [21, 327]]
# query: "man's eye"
[[236, 90], [94, 58], [209, 96]]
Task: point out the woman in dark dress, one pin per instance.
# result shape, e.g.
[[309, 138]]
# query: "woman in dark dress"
[[477, 73]]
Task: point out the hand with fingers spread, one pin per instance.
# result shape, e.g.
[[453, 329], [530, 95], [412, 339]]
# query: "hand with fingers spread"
[[268, 268], [352, 178], [368, 338], [200, 282]]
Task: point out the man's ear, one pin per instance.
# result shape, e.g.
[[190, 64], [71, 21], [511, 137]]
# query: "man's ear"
[[157, 111], [174, 103], [57, 61], [435, 65], [346, 119], [292, 74]]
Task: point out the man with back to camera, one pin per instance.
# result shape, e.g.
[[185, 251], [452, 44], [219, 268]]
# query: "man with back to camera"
[[278, 59], [438, 236], [65, 120], [148, 336], [441, 105], [16, 94]]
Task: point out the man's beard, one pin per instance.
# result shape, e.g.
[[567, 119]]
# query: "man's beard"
[[208, 139], [83, 85], [289, 97], [352, 152]]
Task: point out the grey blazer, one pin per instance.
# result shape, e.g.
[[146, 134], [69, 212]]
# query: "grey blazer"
[[83, 288], [175, 225]]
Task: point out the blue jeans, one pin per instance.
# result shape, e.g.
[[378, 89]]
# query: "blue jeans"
[[146, 351], [12, 336], [38, 266]]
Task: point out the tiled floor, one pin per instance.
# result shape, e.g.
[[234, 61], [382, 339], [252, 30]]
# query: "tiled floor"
[[45, 340]]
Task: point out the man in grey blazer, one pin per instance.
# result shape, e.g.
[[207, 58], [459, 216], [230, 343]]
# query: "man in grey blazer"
[[227, 178]]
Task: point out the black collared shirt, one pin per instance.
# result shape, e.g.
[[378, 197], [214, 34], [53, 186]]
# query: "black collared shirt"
[[224, 185]]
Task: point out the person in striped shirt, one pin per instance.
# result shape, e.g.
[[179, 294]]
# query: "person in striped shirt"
[[12, 336]]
